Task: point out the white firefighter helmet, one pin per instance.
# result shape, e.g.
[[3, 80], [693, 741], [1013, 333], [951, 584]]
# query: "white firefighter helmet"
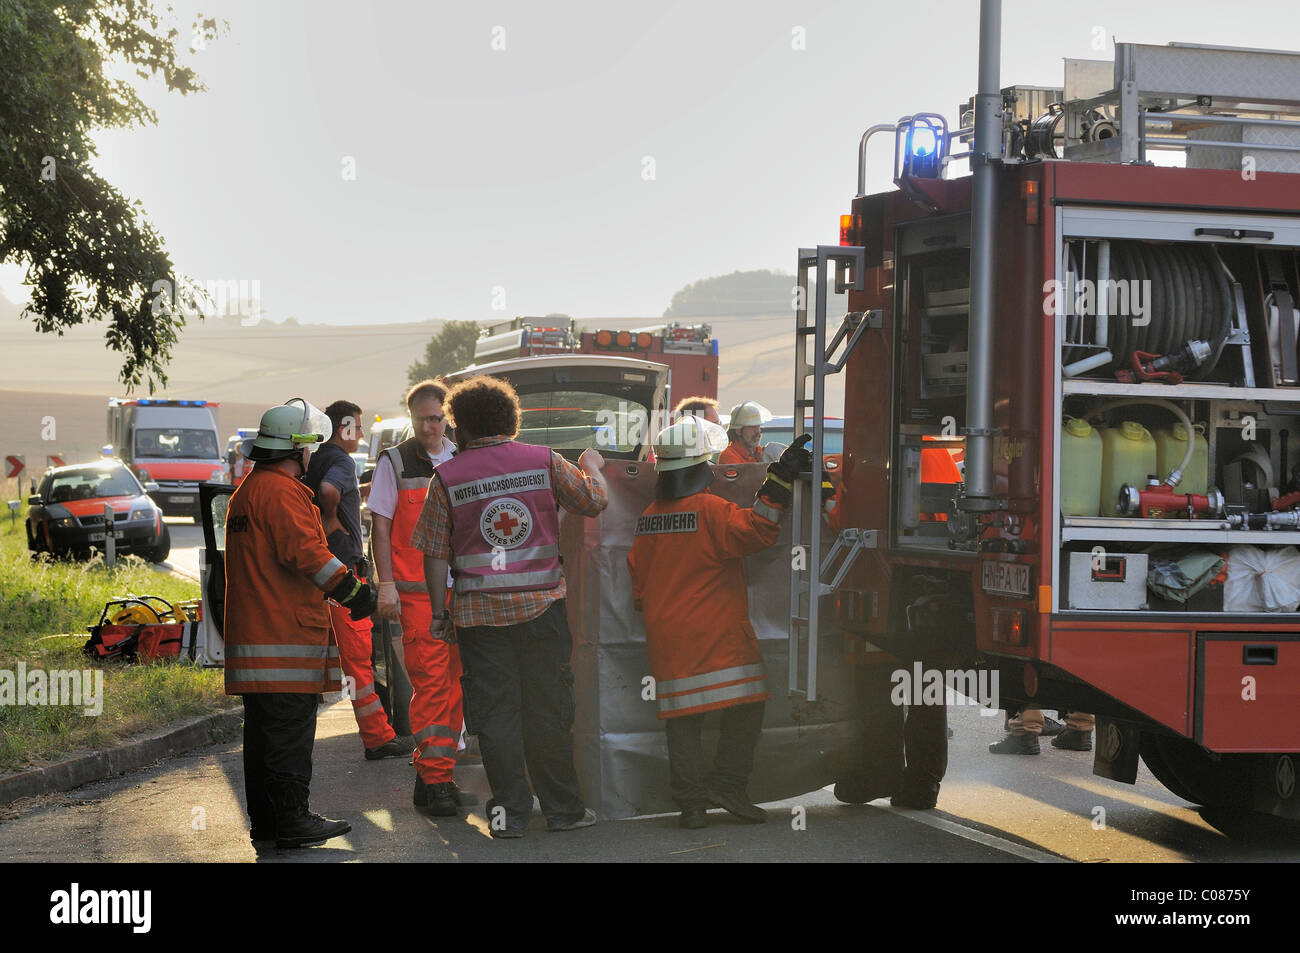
[[288, 428], [748, 414], [690, 441]]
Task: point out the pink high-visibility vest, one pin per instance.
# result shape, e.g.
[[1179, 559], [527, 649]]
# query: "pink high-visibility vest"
[[505, 530]]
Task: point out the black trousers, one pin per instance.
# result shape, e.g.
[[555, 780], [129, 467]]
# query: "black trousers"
[[688, 768], [279, 735], [518, 691], [903, 746]]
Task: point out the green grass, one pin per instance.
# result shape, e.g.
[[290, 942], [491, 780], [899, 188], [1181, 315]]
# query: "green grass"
[[46, 610]]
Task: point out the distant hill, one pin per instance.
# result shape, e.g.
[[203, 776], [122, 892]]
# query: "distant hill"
[[739, 293], [248, 369]]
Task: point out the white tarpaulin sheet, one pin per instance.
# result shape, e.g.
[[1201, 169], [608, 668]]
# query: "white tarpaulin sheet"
[[619, 744]]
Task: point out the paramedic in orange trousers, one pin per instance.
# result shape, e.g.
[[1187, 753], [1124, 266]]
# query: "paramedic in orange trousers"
[[397, 494], [688, 578], [332, 477], [492, 513], [280, 650]]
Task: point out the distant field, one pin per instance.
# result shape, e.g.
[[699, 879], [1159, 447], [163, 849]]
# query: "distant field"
[[249, 369]]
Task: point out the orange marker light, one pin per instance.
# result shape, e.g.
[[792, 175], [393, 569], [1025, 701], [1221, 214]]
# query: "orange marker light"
[[624, 338], [846, 226], [1029, 192], [604, 338], [643, 340]]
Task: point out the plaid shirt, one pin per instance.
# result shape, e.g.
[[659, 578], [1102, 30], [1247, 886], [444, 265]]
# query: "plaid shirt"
[[432, 535]]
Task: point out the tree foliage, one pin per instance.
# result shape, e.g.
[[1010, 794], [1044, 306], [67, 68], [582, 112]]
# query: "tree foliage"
[[90, 253], [451, 349], [741, 292]]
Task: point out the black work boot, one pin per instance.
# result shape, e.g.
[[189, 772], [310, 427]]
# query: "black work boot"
[[1015, 744], [1072, 739], [400, 746], [862, 788], [737, 804], [917, 797], [295, 826], [693, 818], [436, 799], [263, 831]]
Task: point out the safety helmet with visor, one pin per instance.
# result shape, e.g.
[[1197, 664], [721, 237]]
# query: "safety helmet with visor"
[[288, 428], [690, 441]]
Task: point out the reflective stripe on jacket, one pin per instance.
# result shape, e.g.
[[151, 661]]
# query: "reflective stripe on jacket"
[[688, 579], [277, 623], [412, 469], [505, 529]]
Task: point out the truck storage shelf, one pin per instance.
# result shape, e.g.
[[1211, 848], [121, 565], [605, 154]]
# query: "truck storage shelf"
[[1116, 529], [1072, 386]]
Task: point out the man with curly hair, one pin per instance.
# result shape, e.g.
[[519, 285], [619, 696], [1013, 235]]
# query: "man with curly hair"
[[492, 515]]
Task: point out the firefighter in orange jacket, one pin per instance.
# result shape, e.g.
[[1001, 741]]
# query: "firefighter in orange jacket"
[[688, 578], [746, 428], [280, 649]]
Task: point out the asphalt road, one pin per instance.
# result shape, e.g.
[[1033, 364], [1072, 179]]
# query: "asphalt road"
[[187, 539], [992, 809], [1010, 808]]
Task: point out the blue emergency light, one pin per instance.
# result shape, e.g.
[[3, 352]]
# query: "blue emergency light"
[[924, 145]]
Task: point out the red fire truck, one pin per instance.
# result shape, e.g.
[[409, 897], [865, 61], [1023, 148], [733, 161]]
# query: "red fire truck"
[[1113, 345], [689, 351]]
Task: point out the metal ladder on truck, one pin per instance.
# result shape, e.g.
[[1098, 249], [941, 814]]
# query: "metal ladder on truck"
[[812, 577]]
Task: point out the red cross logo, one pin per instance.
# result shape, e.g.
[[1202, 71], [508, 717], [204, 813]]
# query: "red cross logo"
[[505, 524]]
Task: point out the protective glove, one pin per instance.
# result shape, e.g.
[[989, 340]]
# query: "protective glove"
[[795, 459], [781, 474], [355, 596], [390, 604]]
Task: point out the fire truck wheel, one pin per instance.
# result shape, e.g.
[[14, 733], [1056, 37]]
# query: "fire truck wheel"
[[1189, 771]]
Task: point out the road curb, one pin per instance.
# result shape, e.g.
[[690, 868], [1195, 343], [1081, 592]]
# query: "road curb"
[[98, 765]]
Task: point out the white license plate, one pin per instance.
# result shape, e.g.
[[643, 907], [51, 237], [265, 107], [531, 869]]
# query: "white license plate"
[[1008, 579], [178, 499], [99, 537]]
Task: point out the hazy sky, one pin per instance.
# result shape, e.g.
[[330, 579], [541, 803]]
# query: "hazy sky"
[[521, 177]]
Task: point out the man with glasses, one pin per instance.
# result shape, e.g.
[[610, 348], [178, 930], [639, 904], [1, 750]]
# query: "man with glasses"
[[397, 495]]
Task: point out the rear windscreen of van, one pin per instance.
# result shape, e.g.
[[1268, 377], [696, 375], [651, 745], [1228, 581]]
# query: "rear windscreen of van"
[[178, 443]]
